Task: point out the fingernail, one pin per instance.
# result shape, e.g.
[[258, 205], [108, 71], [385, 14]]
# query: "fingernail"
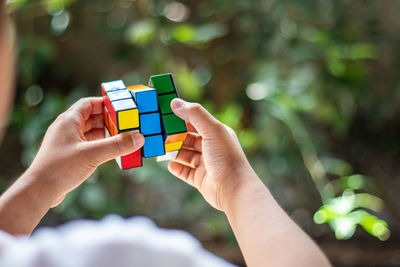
[[177, 103], [137, 139]]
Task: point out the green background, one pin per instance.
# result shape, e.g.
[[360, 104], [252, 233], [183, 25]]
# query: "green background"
[[312, 88]]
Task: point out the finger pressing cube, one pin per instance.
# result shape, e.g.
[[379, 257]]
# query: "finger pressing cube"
[[132, 160]]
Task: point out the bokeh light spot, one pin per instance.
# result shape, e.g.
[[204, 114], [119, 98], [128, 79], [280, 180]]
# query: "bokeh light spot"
[[176, 12], [34, 95], [256, 91], [60, 22]]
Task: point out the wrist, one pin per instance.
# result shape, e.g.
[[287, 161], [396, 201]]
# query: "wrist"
[[24, 204], [38, 187], [239, 188]]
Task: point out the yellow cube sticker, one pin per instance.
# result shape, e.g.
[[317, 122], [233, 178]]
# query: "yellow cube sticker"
[[173, 146], [128, 119]]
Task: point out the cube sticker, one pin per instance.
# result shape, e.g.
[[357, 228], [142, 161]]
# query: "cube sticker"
[[163, 83], [153, 146], [173, 124], [150, 123], [165, 102], [173, 146]]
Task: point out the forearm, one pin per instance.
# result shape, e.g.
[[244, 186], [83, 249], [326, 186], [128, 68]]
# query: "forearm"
[[24, 204], [265, 233]]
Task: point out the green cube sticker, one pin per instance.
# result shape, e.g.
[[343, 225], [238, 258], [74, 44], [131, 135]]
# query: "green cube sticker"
[[173, 124], [165, 102], [163, 83]]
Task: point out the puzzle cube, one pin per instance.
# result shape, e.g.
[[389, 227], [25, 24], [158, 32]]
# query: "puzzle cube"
[[145, 109]]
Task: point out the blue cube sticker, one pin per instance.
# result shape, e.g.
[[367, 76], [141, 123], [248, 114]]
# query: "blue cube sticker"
[[150, 123], [147, 101], [153, 146]]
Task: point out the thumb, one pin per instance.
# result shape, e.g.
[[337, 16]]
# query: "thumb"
[[115, 146], [196, 114]]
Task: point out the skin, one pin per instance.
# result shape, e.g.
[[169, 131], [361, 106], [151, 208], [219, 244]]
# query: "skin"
[[211, 160], [71, 150], [7, 56]]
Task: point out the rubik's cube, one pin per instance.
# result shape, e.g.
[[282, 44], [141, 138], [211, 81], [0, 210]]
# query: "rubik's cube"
[[145, 109]]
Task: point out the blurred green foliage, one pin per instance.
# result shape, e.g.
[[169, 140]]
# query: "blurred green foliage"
[[310, 86]]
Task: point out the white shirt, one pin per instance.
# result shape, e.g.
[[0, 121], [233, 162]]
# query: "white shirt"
[[111, 242]]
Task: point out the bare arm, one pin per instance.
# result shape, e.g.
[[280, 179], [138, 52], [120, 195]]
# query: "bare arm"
[[213, 161], [265, 232], [72, 148]]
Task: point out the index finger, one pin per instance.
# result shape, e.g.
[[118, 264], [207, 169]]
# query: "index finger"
[[88, 106]]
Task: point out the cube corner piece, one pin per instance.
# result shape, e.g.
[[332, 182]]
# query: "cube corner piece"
[[163, 83], [112, 86], [132, 160], [127, 114]]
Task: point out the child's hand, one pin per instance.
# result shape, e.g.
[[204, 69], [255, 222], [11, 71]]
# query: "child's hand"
[[74, 146], [211, 159]]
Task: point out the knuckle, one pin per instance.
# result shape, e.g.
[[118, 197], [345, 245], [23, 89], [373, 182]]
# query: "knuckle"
[[195, 161], [219, 126], [196, 107], [60, 117], [230, 131], [83, 100]]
